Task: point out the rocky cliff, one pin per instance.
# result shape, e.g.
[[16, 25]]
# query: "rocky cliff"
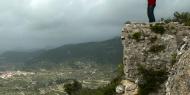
[[156, 59]]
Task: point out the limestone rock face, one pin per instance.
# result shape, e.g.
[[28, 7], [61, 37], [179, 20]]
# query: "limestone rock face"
[[120, 89], [130, 87], [154, 51], [179, 82]]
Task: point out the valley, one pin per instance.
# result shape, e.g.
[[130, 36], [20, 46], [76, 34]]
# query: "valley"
[[45, 72], [52, 81]]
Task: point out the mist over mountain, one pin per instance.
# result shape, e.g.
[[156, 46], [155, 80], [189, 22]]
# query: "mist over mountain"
[[19, 56]]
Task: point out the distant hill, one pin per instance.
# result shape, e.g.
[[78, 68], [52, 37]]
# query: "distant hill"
[[103, 52], [14, 57]]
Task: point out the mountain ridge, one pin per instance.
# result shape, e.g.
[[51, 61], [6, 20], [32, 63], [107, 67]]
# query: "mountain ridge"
[[101, 52]]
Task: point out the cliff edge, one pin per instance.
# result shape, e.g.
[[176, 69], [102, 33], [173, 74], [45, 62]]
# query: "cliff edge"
[[156, 59]]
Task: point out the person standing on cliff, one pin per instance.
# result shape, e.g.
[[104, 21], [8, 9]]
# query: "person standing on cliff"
[[150, 10]]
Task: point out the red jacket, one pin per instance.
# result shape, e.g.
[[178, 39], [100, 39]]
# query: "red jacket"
[[151, 2]]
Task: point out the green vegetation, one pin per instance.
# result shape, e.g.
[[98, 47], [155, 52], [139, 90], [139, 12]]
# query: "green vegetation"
[[168, 20], [183, 17], [106, 90], [28, 85], [51, 82], [136, 36], [152, 80], [128, 22], [73, 87], [153, 39], [109, 89], [172, 27], [158, 28], [173, 58], [157, 48]]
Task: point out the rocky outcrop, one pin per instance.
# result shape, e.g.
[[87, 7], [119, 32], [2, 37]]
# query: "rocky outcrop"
[[179, 82], [127, 88], [151, 54]]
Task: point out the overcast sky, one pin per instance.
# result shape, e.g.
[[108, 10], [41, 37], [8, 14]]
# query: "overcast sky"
[[33, 24]]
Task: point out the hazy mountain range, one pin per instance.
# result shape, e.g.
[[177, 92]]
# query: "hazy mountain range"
[[104, 52]]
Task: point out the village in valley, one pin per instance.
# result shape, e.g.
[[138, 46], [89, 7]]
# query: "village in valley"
[[45, 81]]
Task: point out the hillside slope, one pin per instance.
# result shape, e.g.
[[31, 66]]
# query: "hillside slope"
[[105, 52]]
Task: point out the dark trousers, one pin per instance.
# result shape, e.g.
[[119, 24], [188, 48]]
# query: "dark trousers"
[[150, 12]]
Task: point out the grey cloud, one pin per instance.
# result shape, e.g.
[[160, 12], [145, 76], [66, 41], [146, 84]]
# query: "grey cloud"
[[31, 24]]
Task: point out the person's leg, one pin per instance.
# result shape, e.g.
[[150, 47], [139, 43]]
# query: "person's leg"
[[148, 12], [151, 13]]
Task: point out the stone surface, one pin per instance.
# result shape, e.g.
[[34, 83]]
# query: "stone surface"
[[179, 82], [120, 89], [157, 52], [130, 87]]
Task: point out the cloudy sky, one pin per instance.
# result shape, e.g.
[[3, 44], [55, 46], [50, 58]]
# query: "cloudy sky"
[[33, 24]]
